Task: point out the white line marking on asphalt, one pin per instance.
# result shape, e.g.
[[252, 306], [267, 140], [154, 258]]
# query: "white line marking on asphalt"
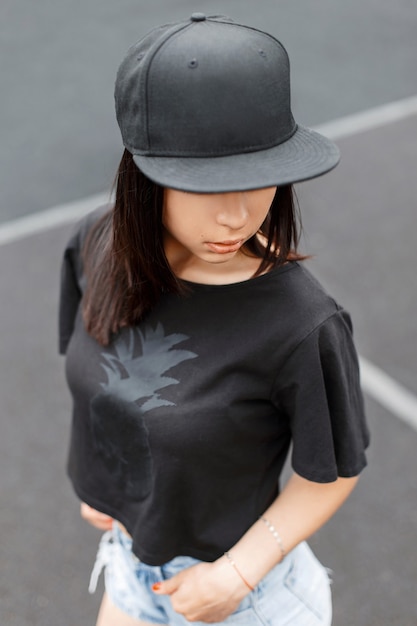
[[51, 218], [375, 382], [367, 120], [387, 392]]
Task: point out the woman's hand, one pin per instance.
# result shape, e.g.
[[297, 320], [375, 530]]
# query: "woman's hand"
[[207, 592], [95, 518]]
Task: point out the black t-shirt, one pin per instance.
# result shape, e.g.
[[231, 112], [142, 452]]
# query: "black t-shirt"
[[181, 426]]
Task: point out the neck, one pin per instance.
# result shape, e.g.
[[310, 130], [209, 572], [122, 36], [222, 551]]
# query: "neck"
[[240, 268]]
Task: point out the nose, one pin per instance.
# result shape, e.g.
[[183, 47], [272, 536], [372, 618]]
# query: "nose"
[[233, 210]]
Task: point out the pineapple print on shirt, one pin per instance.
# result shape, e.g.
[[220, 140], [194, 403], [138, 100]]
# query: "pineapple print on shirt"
[[117, 412]]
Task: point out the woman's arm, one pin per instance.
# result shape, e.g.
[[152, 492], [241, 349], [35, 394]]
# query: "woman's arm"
[[209, 592], [300, 510]]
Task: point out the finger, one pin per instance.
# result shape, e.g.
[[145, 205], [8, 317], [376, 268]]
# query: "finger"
[[165, 587]]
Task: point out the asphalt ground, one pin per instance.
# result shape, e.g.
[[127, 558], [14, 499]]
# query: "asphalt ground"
[[360, 225]]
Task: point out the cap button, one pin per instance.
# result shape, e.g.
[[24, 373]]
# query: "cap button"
[[198, 17]]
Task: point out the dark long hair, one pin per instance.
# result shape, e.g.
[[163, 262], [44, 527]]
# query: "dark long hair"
[[124, 259]]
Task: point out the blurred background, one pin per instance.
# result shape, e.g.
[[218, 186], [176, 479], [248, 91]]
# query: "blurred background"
[[60, 144]]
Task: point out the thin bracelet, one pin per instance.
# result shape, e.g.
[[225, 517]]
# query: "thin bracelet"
[[276, 536], [231, 561]]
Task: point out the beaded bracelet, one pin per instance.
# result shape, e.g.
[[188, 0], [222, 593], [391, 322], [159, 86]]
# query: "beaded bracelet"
[[276, 536], [231, 561]]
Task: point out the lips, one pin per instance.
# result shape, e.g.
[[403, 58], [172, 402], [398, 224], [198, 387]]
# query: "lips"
[[224, 247]]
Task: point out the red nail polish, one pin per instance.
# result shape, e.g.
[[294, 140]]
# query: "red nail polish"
[[156, 586]]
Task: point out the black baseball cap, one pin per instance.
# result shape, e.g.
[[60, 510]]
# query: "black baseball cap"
[[204, 106]]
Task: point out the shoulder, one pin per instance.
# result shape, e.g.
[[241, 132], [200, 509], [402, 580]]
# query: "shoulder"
[[287, 306], [300, 298]]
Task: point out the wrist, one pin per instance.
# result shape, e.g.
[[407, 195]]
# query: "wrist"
[[236, 583], [257, 552], [238, 571]]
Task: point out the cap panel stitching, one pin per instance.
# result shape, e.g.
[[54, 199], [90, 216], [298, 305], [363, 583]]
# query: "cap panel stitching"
[[169, 36]]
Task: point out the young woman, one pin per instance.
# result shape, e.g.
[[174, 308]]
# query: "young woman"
[[199, 348]]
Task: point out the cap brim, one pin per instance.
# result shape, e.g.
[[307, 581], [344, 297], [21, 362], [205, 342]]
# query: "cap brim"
[[305, 155]]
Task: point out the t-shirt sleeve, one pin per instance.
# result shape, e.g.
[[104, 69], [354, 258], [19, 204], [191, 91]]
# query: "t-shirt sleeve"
[[70, 293], [318, 388], [72, 276]]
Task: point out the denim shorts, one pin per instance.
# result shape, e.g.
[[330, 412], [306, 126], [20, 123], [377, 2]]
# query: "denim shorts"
[[294, 593]]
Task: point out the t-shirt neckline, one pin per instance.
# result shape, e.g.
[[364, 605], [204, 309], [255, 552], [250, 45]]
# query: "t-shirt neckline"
[[252, 282]]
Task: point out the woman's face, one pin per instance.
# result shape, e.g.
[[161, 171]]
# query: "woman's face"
[[211, 229]]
